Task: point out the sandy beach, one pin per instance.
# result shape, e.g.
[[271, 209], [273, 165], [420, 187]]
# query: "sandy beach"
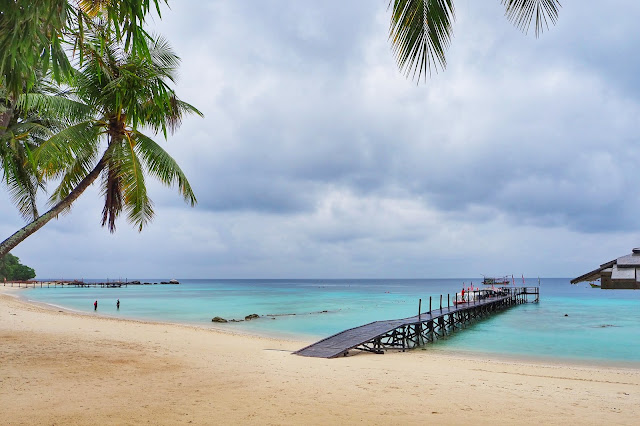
[[67, 368]]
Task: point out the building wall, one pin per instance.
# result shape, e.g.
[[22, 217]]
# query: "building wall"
[[605, 281], [610, 284]]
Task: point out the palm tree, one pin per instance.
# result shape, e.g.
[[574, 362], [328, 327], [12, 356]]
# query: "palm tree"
[[125, 91], [25, 123], [420, 30]]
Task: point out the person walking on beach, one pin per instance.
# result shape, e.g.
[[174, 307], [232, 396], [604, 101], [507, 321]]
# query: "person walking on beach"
[[95, 305], [118, 304]]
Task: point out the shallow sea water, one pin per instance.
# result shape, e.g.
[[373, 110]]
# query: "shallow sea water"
[[600, 325]]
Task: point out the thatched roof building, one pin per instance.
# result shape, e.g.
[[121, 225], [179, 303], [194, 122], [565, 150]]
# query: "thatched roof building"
[[620, 273]]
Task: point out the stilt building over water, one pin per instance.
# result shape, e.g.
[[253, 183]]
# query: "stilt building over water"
[[620, 273]]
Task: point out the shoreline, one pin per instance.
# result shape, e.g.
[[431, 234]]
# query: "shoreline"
[[304, 340], [50, 307], [69, 368]]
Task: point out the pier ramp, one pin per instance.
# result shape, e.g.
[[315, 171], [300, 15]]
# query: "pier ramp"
[[408, 333]]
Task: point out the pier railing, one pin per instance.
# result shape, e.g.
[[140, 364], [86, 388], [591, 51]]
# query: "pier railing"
[[426, 327]]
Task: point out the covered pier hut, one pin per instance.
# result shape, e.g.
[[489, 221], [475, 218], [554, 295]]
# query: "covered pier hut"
[[620, 273]]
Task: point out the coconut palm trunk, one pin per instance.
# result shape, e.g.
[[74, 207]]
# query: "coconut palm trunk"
[[19, 236]]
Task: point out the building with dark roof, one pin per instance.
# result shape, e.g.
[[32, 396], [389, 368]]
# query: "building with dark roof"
[[621, 273]]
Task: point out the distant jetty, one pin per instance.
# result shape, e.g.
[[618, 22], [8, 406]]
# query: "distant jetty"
[[80, 283]]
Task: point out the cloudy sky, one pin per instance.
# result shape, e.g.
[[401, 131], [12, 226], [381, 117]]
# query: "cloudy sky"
[[318, 158]]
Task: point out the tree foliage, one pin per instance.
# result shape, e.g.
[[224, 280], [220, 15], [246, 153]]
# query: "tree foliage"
[[119, 84], [28, 121], [420, 31], [125, 91], [34, 34], [12, 270]]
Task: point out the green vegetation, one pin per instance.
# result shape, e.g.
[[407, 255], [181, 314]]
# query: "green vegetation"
[[12, 270], [88, 124], [421, 30], [36, 35]]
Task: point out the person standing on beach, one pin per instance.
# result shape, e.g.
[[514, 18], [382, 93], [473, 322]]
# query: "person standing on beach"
[[118, 304], [95, 305]]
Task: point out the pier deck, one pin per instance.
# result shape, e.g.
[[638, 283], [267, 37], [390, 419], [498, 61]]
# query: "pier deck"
[[415, 331]]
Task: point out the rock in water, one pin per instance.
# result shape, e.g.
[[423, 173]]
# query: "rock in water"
[[218, 319], [252, 316]]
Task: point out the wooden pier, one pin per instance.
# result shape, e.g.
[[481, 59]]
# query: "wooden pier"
[[61, 284], [423, 328], [81, 283]]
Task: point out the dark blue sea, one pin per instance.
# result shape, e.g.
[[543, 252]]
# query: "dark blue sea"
[[571, 322]]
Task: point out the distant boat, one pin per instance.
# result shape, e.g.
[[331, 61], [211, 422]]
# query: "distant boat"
[[495, 281]]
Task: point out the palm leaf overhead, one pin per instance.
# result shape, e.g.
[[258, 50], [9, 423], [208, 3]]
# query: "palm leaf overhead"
[[420, 31], [522, 12]]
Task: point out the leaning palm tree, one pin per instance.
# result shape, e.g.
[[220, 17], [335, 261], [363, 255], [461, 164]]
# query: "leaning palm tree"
[[421, 30], [126, 92]]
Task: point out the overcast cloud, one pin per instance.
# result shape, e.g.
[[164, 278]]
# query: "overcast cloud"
[[318, 158]]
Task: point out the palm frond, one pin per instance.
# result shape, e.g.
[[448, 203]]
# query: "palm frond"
[[162, 166], [20, 176], [54, 107], [23, 186], [58, 153], [74, 173], [33, 132], [167, 116], [30, 42], [522, 12], [136, 200], [112, 187], [93, 7], [164, 61], [420, 32]]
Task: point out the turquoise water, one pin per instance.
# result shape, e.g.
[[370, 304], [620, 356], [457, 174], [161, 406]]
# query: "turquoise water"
[[601, 325]]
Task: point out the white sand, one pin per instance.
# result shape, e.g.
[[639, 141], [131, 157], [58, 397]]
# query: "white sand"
[[66, 368]]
